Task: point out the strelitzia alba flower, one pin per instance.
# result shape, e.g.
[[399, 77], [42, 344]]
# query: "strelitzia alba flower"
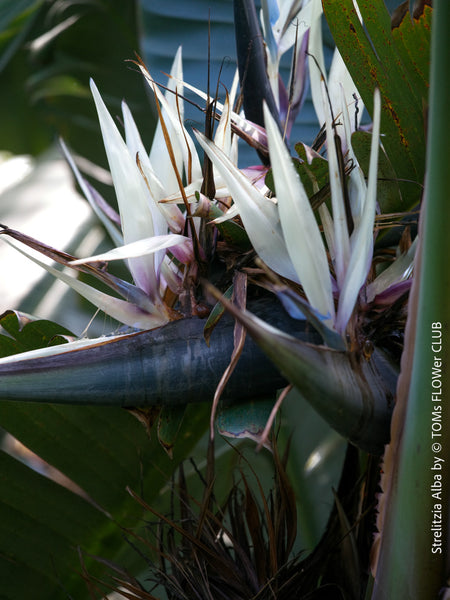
[[339, 81], [327, 253], [148, 187], [145, 228], [286, 25], [285, 233]]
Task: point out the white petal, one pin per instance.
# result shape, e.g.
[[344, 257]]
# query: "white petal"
[[293, 23], [139, 248], [301, 232], [222, 137], [357, 188], [230, 214], [362, 250], [132, 196], [171, 277], [122, 311], [115, 234], [342, 240], [179, 137], [255, 131], [159, 156], [398, 271], [339, 79], [259, 215], [315, 49], [56, 350], [328, 230], [163, 216], [234, 88]]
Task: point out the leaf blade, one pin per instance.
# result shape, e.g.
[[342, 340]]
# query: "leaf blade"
[[300, 230]]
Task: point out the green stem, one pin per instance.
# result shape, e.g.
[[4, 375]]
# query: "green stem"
[[414, 544]]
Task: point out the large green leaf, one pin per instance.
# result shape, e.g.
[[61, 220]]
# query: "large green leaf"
[[102, 451], [28, 333], [314, 465], [41, 525], [376, 56]]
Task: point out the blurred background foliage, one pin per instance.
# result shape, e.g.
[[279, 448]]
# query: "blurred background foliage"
[[49, 51]]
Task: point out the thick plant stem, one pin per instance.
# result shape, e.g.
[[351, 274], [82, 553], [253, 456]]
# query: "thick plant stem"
[[414, 547]]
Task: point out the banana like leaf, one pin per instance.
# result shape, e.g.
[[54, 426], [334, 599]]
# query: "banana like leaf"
[[366, 49], [355, 395]]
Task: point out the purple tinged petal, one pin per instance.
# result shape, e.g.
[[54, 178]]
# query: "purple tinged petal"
[[362, 250], [259, 214], [143, 247], [183, 252], [104, 212], [283, 104], [132, 197], [147, 315], [298, 83], [300, 230], [392, 293]]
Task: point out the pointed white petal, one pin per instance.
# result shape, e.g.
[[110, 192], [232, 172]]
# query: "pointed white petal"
[[156, 191], [362, 250], [294, 22], [340, 79], [132, 196], [234, 88], [161, 215], [315, 49], [342, 240], [125, 312], [56, 350], [180, 139], [230, 214], [171, 276], [173, 216], [251, 129], [114, 233], [272, 53], [398, 271], [259, 214], [357, 188], [222, 137], [301, 232], [328, 230], [139, 248], [159, 156]]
